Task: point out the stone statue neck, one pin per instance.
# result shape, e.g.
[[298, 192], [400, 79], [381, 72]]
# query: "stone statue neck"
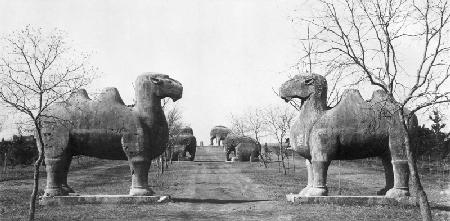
[[148, 103], [311, 111], [314, 104]]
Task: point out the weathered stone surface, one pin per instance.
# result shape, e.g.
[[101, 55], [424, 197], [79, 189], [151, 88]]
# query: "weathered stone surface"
[[187, 131], [352, 200], [108, 129], [245, 148], [353, 129], [185, 142], [102, 199], [219, 133]]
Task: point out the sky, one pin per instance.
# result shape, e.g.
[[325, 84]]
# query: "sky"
[[227, 54]]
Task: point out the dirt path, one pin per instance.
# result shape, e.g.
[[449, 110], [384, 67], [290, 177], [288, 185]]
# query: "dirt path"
[[218, 190], [218, 180]]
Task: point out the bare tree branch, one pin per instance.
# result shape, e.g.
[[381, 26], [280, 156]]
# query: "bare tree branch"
[[32, 79]]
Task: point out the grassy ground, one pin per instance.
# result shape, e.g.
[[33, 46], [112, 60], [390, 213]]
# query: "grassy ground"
[[187, 182], [362, 181], [20, 172]]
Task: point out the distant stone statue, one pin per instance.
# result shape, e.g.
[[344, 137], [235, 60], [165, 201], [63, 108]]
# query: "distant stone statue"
[[353, 129], [185, 142], [244, 148], [219, 133], [108, 129]]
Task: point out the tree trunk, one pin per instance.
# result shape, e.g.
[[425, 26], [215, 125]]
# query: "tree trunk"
[[282, 158], [264, 155], [161, 158], [293, 159], [5, 162], [278, 158], [284, 165], [420, 193], [166, 156], [37, 164]]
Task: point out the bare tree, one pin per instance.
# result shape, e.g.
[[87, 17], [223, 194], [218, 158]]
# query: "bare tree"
[[238, 125], [250, 123], [399, 46], [279, 121], [175, 123], [255, 123], [37, 69]]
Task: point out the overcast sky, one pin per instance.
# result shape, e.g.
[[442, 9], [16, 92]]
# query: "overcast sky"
[[227, 54]]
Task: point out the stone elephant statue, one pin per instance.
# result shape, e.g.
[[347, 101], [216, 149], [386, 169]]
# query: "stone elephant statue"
[[184, 143], [219, 133], [244, 148]]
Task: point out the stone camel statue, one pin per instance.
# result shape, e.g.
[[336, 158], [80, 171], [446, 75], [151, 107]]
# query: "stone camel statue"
[[244, 148], [108, 129], [187, 143], [219, 133], [353, 129]]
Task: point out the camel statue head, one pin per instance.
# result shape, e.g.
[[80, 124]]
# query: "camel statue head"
[[159, 85], [304, 87]]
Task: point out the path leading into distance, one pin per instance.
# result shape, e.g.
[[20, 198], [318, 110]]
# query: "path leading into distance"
[[215, 180]]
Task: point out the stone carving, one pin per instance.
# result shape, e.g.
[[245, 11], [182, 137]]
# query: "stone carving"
[[353, 129], [244, 148], [108, 129], [184, 142], [219, 133]]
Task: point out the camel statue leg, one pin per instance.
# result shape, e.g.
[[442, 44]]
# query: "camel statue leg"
[[399, 163], [319, 170], [401, 178], [132, 145], [321, 147], [139, 177], [388, 173], [212, 141], [56, 160], [64, 185], [310, 178]]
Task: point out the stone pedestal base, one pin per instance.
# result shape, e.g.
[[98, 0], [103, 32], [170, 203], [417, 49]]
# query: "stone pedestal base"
[[352, 200], [102, 199]]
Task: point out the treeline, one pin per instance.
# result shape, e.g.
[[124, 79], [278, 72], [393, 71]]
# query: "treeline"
[[433, 141], [271, 122], [275, 123], [21, 150]]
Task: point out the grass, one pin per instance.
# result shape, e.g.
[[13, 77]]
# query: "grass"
[[20, 172], [279, 185], [113, 177]]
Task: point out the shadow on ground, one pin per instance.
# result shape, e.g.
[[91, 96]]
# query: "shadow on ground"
[[213, 201]]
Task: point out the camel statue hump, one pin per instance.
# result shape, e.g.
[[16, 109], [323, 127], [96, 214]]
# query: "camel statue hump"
[[78, 95], [379, 95], [352, 96], [111, 95]]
